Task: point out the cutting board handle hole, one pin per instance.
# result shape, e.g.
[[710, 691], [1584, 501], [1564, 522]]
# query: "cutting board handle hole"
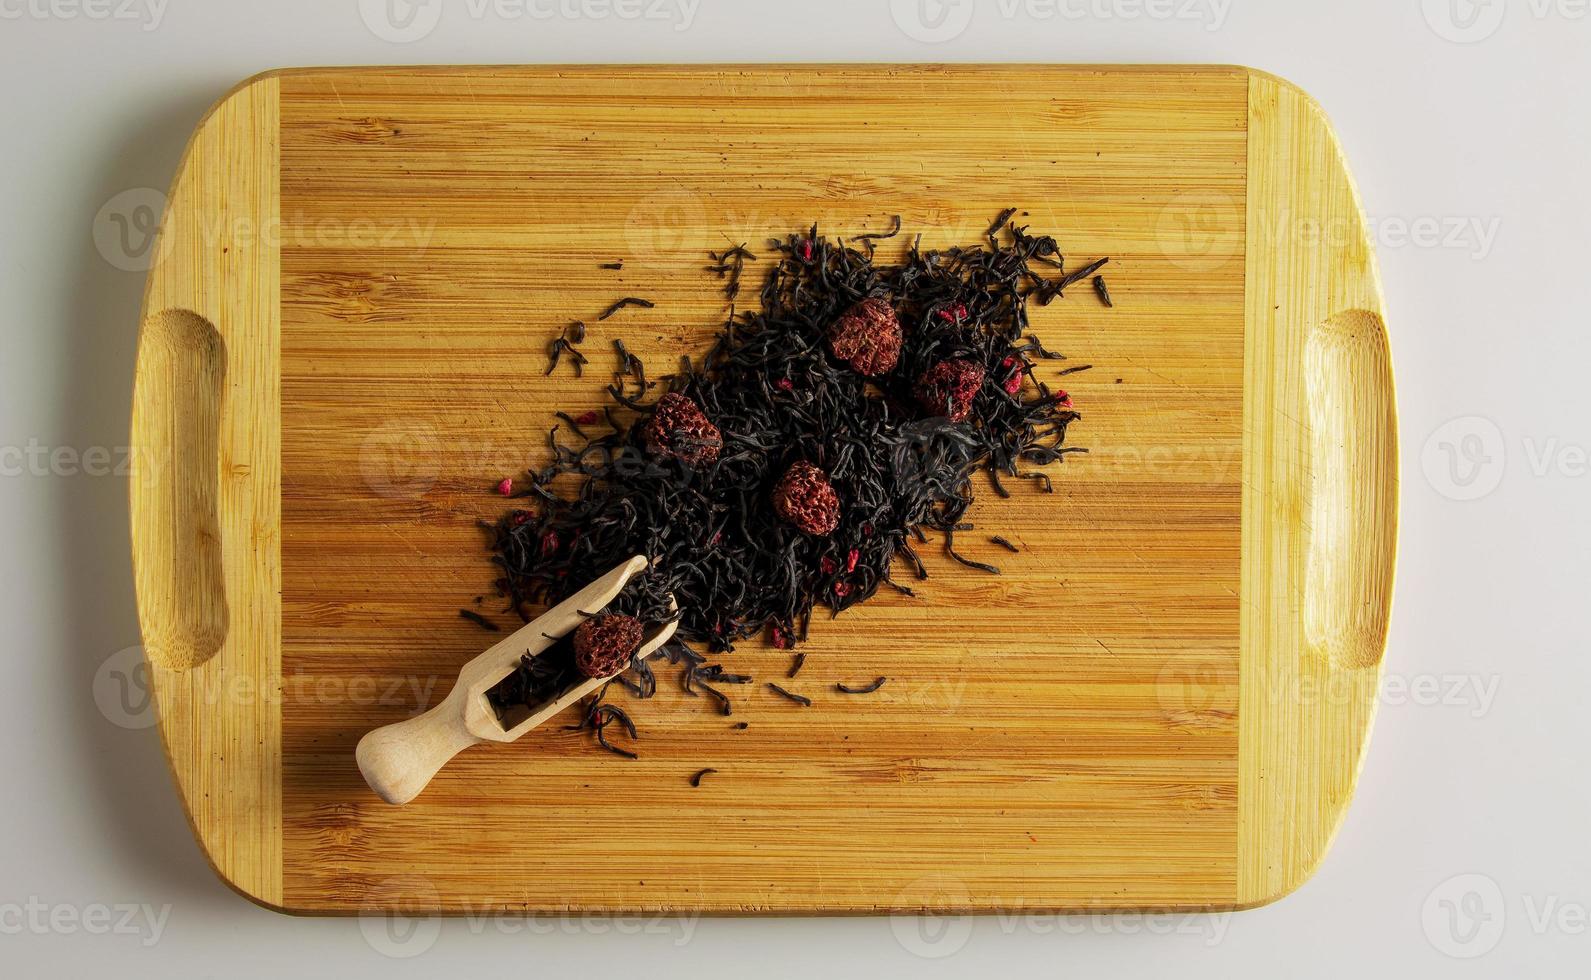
[[177, 407], [1353, 489]]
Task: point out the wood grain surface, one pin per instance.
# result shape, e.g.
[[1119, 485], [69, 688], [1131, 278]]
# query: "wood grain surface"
[[1113, 722]]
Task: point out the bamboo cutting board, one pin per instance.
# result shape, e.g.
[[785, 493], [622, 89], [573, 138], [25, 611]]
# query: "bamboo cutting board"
[[1164, 700]]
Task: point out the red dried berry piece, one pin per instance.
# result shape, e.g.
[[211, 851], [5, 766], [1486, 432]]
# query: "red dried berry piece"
[[604, 644], [1013, 383], [805, 497], [955, 314], [679, 429], [949, 387], [867, 336]]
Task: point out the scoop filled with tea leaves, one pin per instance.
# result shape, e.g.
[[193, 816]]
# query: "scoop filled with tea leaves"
[[562, 656]]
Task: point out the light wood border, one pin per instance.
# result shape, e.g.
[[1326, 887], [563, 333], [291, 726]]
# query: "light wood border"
[[1319, 504], [212, 304], [1319, 494]]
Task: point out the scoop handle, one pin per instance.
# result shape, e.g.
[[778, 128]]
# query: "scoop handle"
[[398, 760]]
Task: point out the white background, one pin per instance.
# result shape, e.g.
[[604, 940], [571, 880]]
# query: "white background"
[[1467, 127]]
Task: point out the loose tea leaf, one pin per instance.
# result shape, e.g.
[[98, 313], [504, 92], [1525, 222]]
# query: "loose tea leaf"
[[869, 689]]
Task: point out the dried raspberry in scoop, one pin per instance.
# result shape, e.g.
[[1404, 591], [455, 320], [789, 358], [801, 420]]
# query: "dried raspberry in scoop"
[[805, 497], [604, 644], [949, 387], [868, 337], [679, 429]]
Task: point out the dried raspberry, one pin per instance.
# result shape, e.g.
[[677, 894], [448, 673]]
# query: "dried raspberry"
[[1013, 384], [851, 559], [679, 429], [948, 388], [868, 337], [506, 486], [955, 314], [604, 644], [784, 384], [805, 497], [1063, 399], [587, 418], [780, 640]]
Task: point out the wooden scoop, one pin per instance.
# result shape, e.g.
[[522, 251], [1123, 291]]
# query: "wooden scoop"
[[400, 759]]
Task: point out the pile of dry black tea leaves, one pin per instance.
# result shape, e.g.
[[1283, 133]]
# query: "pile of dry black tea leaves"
[[804, 457]]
